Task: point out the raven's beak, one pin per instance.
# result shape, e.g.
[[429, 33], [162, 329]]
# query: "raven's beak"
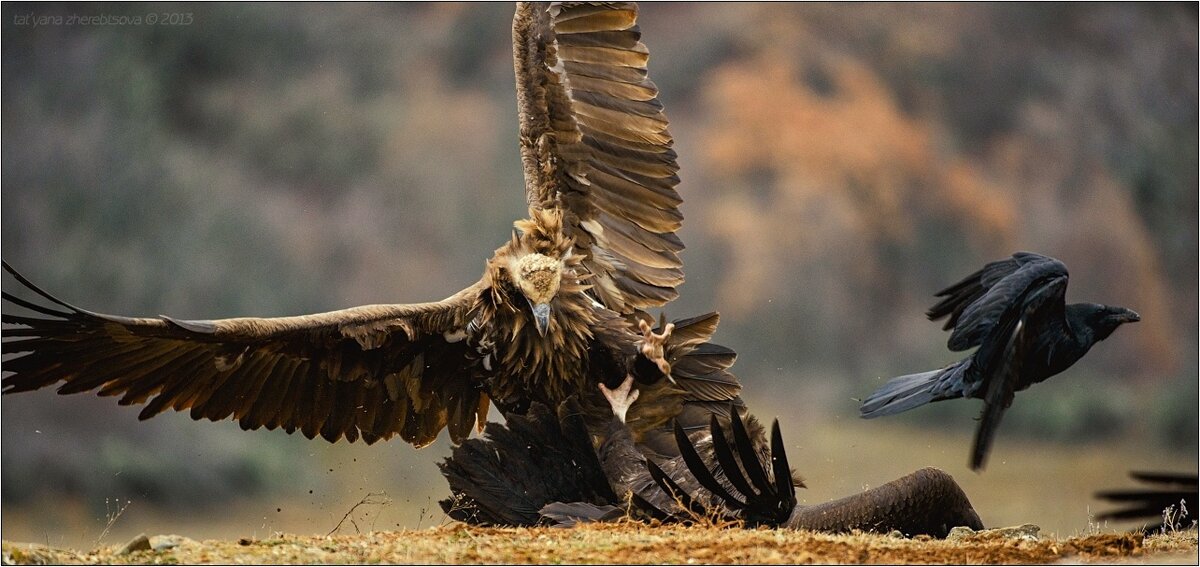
[[1128, 316], [541, 317]]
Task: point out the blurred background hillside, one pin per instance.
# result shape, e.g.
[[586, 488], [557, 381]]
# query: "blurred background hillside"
[[840, 164]]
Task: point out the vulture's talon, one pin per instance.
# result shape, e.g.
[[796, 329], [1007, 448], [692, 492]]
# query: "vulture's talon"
[[652, 346], [620, 398]]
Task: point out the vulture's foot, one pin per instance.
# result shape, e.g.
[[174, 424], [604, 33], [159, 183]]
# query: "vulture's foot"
[[621, 398], [652, 345]]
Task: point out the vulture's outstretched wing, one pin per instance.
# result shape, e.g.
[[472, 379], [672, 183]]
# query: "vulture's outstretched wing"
[[594, 143], [978, 302], [369, 372]]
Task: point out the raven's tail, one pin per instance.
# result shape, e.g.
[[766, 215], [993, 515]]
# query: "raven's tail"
[[907, 392]]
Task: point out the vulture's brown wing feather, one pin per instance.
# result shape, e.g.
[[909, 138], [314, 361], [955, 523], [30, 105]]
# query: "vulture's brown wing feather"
[[594, 143], [367, 372]]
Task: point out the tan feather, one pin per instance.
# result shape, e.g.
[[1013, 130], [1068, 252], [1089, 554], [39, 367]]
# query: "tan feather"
[[632, 76], [596, 21], [629, 39], [604, 55], [609, 156]]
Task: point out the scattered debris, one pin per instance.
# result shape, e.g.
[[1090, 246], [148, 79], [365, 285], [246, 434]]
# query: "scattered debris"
[[371, 499], [627, 542]]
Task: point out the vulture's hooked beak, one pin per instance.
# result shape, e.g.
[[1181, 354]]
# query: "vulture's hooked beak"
[[541, 317]]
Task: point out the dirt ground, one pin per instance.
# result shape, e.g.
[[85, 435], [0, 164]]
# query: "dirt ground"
[[627, 543]]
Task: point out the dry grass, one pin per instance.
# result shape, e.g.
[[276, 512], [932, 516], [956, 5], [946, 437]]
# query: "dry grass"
[[1048, 484], [628, 543]]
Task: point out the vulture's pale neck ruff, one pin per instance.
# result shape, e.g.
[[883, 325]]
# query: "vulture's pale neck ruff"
[[536, 276]]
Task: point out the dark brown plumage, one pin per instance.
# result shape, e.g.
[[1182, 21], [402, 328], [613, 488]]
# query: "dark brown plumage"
[[556, 311], [544, 468]]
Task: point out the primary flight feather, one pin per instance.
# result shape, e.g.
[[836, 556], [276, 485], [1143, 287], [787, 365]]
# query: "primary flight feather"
[[559, 305]]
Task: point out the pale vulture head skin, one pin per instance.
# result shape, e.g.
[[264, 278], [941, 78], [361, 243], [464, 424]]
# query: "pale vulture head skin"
[[538, 277]]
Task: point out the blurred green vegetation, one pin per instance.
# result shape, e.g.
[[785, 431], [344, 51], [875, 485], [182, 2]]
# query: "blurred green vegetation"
[[840, 164]]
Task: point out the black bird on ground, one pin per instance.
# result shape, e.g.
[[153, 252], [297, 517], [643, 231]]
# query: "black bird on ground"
[[1015, 312], [1167, 497], [545, 467]]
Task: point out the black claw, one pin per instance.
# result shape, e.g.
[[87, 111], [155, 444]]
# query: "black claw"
[[727, 461], [779, 462], [745, 448], [699, 470]]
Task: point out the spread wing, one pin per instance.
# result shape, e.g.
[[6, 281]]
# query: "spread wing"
[[1159, 491], [594, 143], [1003, 356], [976, 304], [369, 372]]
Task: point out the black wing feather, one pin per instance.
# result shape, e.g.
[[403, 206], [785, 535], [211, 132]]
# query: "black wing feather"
[[699, 470], [1006, 362]]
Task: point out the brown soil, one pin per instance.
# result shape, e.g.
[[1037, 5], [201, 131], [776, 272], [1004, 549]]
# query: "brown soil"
[[628, 543]]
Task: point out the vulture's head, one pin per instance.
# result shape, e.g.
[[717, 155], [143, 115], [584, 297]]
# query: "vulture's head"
[[538, 277], [540, 262]]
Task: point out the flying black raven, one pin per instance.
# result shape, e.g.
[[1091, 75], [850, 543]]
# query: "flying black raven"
[[1015, 311]]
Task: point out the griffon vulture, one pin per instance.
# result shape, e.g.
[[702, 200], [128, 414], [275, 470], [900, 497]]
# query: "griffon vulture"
[[557, 310]]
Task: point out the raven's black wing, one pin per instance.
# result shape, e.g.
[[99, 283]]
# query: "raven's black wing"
[[976, 304], [518, 468], [1002, 354]]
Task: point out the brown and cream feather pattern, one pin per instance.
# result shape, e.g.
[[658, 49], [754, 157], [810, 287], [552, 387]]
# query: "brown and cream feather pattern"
[[554, 314], [369, 372], [594, 143]]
